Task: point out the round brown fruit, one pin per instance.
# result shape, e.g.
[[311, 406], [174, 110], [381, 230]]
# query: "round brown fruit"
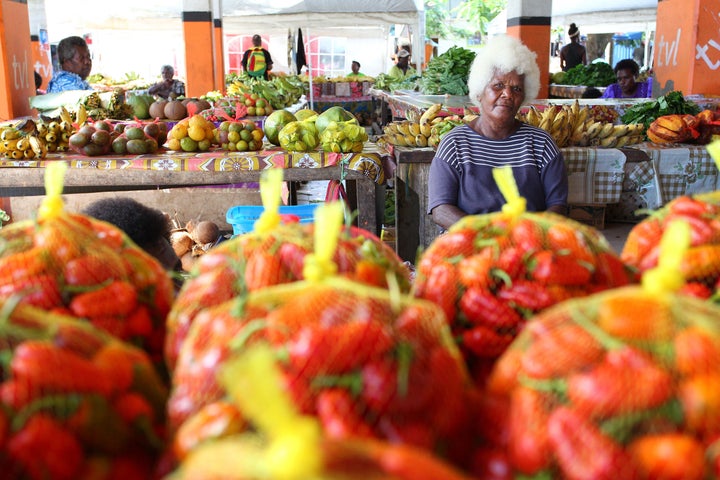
[[137, 147], [152, 145], [78, 140], [87, 130], [103, 125], [134, 133], [119, 145], [101, 137], [93, 149], [157, 109], [152, 130]]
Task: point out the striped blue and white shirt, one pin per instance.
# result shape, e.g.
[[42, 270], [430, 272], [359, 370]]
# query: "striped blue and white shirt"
[[64, 80], [461, 171]]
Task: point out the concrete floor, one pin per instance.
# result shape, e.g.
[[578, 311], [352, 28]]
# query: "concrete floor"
[[616, 234]]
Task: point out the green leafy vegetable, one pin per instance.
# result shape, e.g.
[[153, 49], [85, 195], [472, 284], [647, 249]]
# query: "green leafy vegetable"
[[669, 104], [448, 73], [596, 74]]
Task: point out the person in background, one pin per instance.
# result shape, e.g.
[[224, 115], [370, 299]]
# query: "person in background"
[[38, 84], [402, 69], [591, 92], [75, 65], [627, 86], [503, 76], [355, 70], [149, 228], [257, 61], [170, 88], [573, 53]]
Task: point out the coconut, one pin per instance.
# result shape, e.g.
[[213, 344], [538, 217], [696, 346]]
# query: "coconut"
[[205, 232], [157, 109], [175, 110]]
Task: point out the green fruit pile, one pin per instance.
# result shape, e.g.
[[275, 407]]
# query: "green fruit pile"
[[139, 138], [92, 139], [241, 136]]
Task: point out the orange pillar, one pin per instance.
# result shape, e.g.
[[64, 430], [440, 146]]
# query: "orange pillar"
[[687, 47], [530, 20], [198, 31], [17, 82], [218, 47]]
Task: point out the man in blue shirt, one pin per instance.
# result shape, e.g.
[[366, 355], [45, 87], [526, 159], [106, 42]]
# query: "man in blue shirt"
[[75, 65]]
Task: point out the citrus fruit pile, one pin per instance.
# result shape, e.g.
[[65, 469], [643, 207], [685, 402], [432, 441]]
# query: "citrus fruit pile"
[[242, 136], [191, 135]]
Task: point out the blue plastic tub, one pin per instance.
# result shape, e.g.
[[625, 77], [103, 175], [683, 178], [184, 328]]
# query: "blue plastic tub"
[[242, 217]]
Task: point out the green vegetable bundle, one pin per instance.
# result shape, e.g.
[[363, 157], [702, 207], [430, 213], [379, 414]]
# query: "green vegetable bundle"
[[598, 74], [448, 73], [343, 137], [669, 104]]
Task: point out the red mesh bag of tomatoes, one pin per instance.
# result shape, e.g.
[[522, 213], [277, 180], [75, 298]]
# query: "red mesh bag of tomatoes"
[[282, 442], [366, 361], [490, 273], [273, 254], [76, 265], [701, 263], [621, 384], [75, 402]]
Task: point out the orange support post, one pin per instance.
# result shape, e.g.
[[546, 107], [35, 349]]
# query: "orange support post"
[[218, 50], [198, 30], [17, 82], [530, 21], [687, 47]]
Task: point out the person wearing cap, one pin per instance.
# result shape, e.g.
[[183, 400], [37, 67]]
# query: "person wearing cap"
[[573, 53], [402, 69], [257, 61]]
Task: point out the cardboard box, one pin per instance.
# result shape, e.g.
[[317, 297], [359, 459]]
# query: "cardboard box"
[[589, 214]]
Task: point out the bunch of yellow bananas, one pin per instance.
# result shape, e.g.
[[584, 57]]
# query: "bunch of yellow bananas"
[[56, 132], [423, 130], [19, 141], [572, 125]]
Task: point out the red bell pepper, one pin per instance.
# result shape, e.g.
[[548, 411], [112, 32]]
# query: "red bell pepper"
[[482, 308]]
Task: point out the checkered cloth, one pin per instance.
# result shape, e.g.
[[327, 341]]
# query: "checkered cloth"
[[595, 175], [673, 170]]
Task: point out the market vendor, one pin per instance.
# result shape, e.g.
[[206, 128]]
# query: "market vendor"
[[169, 88], [504, 76], [75, 64], [402, 69], [627, 86], [355, 70]]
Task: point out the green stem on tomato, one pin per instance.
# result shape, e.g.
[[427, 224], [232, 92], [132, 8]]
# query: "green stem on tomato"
[[242, 337], [557, 386], [405, 354], [622, 427], [62, 406], [604, 338], [351, 381]]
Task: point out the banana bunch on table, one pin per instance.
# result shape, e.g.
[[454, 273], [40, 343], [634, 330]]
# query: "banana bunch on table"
[[423, 130], [20, 141], [55, 132], [572, 126]]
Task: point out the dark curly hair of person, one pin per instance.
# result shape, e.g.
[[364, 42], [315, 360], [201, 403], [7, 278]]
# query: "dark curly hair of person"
[[628, 64], [143, 224]]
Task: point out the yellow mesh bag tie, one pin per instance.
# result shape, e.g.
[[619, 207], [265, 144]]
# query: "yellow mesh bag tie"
[[515, 204], [254, 381], [713, 149], [667, 276], [328, 220], [270, 186], [53, 204]]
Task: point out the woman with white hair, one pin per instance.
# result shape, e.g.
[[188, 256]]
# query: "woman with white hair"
[[504, 75]]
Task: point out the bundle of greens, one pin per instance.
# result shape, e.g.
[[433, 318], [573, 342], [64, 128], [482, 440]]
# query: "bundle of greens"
[[448, 73], [597, 74], [671, 103]]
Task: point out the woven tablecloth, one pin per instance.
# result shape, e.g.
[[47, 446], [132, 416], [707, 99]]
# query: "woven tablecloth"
[[595, 175]]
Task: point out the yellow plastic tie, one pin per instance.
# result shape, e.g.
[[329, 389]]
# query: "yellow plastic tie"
[[713, 149], [667, 276], [53, 204], [254, 381], [270, 187], [328, 220], [515, 204]]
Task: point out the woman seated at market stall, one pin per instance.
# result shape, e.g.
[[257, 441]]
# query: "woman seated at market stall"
[[170, 88], [504, 76], [75, 64], [627, 86]]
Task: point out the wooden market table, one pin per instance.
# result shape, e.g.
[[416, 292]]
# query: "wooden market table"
[[362, 172]]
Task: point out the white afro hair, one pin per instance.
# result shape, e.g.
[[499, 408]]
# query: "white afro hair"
[[503, 54]]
